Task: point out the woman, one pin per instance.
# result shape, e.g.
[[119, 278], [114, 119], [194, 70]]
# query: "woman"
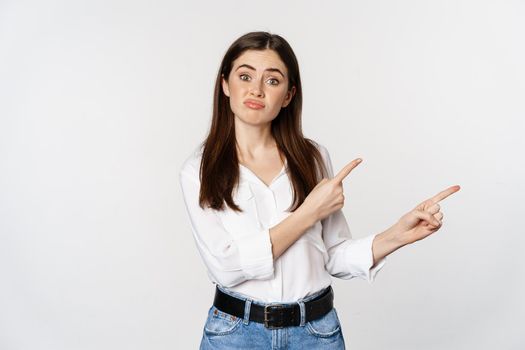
[[265, 210]]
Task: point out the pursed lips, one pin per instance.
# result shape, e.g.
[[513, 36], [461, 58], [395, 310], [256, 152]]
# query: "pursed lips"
[[253, 103]]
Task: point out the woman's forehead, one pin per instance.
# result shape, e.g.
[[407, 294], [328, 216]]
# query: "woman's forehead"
[[260, 60]]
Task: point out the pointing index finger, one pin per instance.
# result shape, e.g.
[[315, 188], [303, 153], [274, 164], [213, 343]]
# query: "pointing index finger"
[[445, 193], [347, 169]]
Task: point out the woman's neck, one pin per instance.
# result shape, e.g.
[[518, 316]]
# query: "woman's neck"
[[254, 141]]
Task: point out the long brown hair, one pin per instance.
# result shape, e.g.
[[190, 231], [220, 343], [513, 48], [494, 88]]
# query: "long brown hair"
[[219, 168]]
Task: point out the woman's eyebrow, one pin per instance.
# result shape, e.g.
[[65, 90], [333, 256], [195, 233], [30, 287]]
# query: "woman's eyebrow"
[[267, 69]]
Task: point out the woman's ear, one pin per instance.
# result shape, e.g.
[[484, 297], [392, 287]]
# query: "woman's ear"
[[225, 87], [289, 96]]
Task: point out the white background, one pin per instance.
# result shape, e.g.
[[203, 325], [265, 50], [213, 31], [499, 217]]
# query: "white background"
[[101, 102]]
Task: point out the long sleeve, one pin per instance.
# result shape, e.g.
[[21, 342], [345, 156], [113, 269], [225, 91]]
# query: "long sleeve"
[[230, 258], [348, 257]]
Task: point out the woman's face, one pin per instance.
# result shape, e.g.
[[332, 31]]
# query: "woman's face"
[[257, 86]]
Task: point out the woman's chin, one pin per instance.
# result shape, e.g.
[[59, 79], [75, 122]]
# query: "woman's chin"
[[252, 120]]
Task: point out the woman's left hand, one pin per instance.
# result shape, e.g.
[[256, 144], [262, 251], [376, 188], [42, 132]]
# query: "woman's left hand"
[[424, 219]]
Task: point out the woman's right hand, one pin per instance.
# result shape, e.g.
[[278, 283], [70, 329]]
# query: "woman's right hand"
[[327, 196]]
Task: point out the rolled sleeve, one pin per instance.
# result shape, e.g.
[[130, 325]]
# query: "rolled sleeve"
[[255, 253], [360, 258]]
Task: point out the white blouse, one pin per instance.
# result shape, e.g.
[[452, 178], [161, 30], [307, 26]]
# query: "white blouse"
[[237, 250]]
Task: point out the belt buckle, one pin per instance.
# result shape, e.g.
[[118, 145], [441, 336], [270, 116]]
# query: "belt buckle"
[[271, 323]]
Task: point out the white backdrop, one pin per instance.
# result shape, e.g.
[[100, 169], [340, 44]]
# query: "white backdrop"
[[101, 102]]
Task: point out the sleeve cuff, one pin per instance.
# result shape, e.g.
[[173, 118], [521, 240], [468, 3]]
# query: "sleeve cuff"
[[255, 252], [360, 258]]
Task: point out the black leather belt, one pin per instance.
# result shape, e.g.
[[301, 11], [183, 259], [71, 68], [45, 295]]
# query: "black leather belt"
[[276, 315]]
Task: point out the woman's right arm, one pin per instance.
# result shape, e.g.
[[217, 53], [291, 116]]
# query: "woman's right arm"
[[230, 260], [324, 199], [284, 234]]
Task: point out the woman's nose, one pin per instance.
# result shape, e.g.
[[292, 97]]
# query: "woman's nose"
[[256, 89]]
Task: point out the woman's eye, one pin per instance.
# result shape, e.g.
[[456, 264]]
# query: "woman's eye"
[[246, 77]]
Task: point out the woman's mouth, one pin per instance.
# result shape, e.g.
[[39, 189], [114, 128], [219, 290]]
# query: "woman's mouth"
[[253, 104]]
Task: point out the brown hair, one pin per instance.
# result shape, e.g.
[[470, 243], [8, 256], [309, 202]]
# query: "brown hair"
[[219, 168]]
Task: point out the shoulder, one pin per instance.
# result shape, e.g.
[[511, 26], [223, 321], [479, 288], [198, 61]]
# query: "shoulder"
[[321, 148], [325, 155], [191, 165]]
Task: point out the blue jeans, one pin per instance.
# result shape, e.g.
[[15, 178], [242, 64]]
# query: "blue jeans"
[[225, 331]]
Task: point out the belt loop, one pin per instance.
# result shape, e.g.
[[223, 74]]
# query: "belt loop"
[[303, 313], [247, 307]]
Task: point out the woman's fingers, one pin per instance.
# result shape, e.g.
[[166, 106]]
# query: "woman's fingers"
[[426, 216], [427, 203], [434, 208], [347, 169], [445, 193]]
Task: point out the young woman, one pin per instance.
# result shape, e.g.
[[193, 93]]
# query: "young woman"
[[265, 210]]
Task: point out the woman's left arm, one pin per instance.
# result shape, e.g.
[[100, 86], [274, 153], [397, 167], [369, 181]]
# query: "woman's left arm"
[[347, 257], [422, 221]]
